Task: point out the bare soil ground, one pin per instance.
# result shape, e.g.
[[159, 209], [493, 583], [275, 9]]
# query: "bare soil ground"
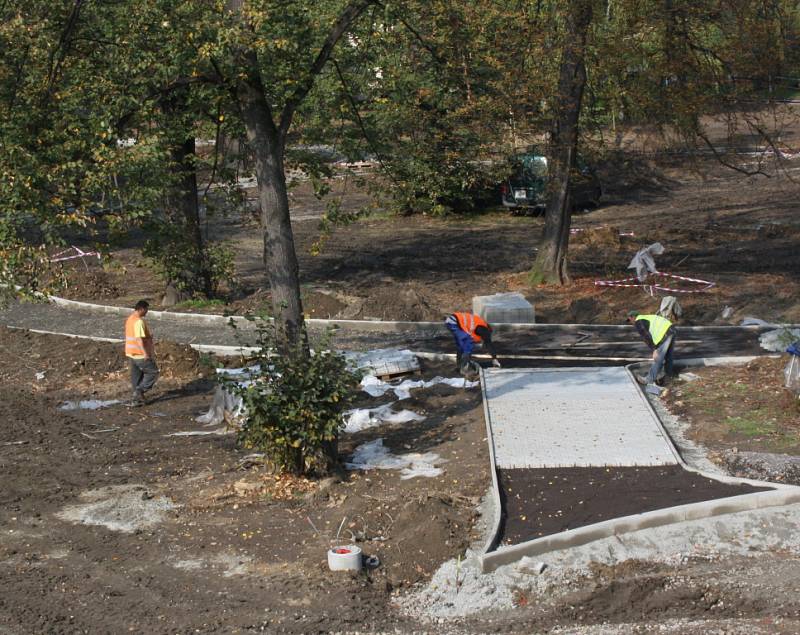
[[740, 232], [541, 502], [109, 525], [740, 409]]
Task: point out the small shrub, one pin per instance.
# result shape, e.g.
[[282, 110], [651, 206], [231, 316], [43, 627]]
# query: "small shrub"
[[191, 268], [295, 403], [199, 303]]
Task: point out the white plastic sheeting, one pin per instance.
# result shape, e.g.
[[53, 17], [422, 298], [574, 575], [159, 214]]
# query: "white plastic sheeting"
[[670, 308], [778, 340], [88, 404], [374, 456], [225, 406], [228, 407], [363, 418], [376, 387], [643, 261], [201, 433], [751, 321]]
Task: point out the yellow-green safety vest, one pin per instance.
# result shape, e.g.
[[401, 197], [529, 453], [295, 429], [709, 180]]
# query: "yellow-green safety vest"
[[658, 326]]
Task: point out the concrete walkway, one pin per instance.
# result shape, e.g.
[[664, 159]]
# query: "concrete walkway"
[[546, 418], [572, 417]]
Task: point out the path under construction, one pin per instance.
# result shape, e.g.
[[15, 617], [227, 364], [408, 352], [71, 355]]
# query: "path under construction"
[[533, 345]]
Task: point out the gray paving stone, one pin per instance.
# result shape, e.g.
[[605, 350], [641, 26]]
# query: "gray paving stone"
[[572, 417]]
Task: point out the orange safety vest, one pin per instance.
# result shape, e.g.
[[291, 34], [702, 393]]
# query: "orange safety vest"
[[468, 322], [132, 347]]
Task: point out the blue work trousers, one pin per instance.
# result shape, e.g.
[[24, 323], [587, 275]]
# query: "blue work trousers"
[[663, 358], [464, 342]]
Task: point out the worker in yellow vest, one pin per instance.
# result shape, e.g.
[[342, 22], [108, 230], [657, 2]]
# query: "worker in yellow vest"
[[469, 329], [141, 353], [659, 335]]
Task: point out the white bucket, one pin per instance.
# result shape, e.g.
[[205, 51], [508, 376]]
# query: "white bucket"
[[344, 558]]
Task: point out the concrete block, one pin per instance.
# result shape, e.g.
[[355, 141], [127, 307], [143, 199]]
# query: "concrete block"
[[509, 308]]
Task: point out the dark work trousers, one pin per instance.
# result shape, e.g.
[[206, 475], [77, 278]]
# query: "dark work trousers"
[[144, 373]]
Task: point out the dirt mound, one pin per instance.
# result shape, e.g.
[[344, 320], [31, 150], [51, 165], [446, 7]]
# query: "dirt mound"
[[321, 305], [95, 284], [598, 237], [180, 361], [400, 302], [583, 310], [64, 358], [58, 357]]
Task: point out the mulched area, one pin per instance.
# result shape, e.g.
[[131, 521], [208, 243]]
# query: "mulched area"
[[541, 502]]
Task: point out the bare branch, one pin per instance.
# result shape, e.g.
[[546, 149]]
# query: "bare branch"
[[428, 47], [59, 53], [348, 15], [723, 161], [360, 121]]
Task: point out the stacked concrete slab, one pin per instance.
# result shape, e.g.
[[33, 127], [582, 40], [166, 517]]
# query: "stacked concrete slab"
[[504, 308]]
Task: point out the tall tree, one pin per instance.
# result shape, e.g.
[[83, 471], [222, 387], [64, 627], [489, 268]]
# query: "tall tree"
[[551, 261], [279, 51]]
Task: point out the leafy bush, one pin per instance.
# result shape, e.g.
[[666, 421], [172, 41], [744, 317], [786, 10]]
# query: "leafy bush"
[[294, 403], [177, 259]]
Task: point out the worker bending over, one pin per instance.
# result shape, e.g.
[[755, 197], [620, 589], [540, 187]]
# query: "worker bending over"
[[469, 329], [659, 335]]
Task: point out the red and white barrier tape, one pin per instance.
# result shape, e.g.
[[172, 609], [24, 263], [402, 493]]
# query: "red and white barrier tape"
[[577, 230], [60, 257], [634, 282]]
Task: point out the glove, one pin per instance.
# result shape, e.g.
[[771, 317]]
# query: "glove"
[[496, 363]]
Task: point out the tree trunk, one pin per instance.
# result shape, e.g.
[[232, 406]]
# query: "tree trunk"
[[280, 259], [185, 200], [183, 197], [551, 261]]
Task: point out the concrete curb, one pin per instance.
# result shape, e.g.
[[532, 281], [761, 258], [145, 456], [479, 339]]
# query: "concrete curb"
[[378, 326], [202, 348], [780, 495], [494, 534], [576, 537], [227, 351]]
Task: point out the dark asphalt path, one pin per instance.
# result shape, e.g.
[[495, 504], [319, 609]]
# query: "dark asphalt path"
[[540, 345]]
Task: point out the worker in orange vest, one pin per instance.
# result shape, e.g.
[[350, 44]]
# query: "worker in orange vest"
[[141, 353], [469, 329]]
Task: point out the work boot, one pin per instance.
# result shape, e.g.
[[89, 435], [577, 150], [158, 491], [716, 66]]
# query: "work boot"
[[471, 371], [137, 399]]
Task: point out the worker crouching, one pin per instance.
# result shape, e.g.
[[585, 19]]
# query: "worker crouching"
[[468, 330], [659, 335]]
